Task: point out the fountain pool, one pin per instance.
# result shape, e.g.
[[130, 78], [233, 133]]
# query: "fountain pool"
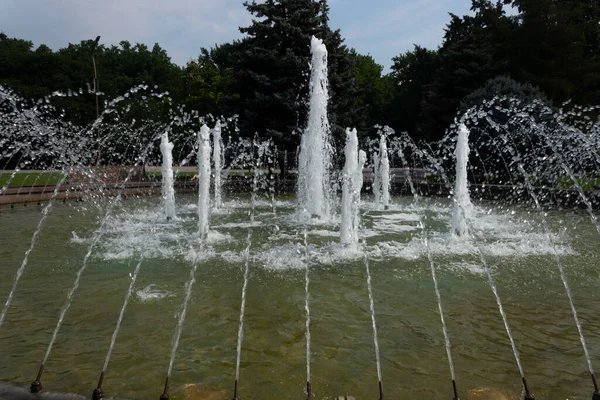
[[273, 361]]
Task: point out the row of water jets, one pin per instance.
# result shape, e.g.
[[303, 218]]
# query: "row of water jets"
[[317, 199]]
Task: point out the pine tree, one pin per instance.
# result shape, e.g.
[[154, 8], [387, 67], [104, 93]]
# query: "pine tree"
[[271, 69]]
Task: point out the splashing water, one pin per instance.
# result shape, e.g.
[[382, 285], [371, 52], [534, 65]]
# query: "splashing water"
[[21, 269], [314, 191], [122, 313], [243, 308], [372, 311], [188, 293], [381, 178], [204, 182], [384, 172], [218, 163], [168, 191], [348, 225], [462, 202], [561, 271], [433, 277], [307, 308]]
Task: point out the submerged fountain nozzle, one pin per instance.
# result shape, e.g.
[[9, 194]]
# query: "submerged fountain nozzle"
[[596, 394], [36, 386], [235, 391], [528, 395], [455, 390], [165, 395], [97, 394]]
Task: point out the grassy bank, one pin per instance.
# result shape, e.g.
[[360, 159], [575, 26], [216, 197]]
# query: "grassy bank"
[[24, 178]]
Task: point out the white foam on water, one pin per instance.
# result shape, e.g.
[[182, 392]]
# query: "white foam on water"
[[245, 224], [284, 236], [220, 211], [392, 227], [324, 233], [458, 267], [396, 217], [215, 237], [153, 293], [528, 244], [336, 253], [288, 256], [199, 253], [233, 257], [76, 239]]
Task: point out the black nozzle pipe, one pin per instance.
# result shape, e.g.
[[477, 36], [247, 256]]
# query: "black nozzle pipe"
[[455, 390], [98, 394], [165, 395], [36, 386], [380, 391], [596, 394], [235, 390], [307, 390], [528, 395]]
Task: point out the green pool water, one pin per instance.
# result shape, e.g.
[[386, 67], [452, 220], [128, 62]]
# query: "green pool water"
[[413, 357]]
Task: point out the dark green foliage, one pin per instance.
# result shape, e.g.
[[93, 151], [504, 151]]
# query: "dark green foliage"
[[374, 92], [503, 86], [550, 45], [413, 73], [270, 69]]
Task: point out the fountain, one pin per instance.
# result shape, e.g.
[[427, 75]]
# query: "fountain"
[[218, 162], [350, 195], [462, 209], [381, 181], [314, 190], [264, 296], [203, 181], [168, 192]]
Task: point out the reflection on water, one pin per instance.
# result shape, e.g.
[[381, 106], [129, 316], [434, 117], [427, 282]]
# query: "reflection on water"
[[273, 358]]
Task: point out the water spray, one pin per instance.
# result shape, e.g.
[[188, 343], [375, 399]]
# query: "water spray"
[[435, 281], [307, 308]]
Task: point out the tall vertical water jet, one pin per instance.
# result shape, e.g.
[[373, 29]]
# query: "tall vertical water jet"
[[376, 179], [347, 231], [168, 192], [351, 187], [218, 163], [314, 192], [384, 172], [462, 202], [204, 181]]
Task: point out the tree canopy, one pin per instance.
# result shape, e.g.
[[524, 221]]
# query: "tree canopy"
[[540, 48]]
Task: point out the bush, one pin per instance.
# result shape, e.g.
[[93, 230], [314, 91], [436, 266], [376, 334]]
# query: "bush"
[[504, 86]]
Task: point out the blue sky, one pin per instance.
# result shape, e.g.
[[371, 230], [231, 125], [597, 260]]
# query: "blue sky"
[[382, 28]]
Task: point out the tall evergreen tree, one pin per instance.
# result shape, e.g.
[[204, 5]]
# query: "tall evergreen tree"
[[272, 69], [413, 73], [467, 61]]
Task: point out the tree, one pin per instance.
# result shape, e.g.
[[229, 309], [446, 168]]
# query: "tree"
[[412, 73], [374, 92], [467, 60], [562, 48], [203, 85], [504, 86], [271, 69]]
